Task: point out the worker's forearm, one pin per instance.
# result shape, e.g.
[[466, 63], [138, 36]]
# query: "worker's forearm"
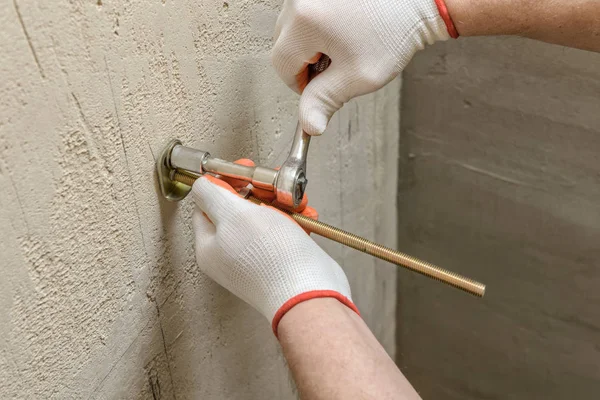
[[333, 355], [573, 23]]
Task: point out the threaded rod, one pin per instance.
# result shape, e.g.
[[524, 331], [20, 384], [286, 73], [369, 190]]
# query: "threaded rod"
[[366, 246]]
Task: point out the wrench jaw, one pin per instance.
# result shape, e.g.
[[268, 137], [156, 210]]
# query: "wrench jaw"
[[300, 187], [291, 183], [291, 179]]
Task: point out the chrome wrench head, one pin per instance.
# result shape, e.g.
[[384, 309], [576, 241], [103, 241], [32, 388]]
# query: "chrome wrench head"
[[291, 178]]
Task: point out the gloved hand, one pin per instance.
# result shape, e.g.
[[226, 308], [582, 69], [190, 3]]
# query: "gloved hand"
[[260, 254], [369, 43]]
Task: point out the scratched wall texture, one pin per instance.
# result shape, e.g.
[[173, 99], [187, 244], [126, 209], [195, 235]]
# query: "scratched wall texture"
[[100, 296], [500, 180]]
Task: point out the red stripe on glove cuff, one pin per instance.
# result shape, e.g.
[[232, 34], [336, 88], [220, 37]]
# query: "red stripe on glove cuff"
[[315, 294], [446, 17]]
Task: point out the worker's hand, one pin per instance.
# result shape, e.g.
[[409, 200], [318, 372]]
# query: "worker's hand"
[[369, 43], [260, 254]]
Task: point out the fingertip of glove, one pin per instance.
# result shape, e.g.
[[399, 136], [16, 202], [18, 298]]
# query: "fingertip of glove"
[[314, 114], [313, 122], [311, 213], [220, 183], [245, 161], [197, 187]]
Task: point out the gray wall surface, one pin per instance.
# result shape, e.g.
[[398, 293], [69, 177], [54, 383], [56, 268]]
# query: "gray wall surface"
[[500, 180], [100, 295]]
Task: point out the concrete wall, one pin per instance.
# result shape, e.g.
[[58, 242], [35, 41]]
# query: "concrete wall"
[[500, 180], [100, 296]]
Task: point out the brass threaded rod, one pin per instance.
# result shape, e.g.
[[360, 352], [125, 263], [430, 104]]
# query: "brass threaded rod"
[[366, 246]]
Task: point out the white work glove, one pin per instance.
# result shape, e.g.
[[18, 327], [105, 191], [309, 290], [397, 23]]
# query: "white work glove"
[[260, 254], [369, 43]]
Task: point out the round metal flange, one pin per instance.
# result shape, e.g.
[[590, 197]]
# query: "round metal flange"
[[170, 189]]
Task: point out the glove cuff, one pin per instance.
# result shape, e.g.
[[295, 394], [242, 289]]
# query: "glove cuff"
[[313, 294], [441, 5]]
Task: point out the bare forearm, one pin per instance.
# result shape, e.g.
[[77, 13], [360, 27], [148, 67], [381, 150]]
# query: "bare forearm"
[[333, 355], [574, 23]]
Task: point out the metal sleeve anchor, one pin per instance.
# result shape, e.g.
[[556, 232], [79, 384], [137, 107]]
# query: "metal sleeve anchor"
[[179, 157]]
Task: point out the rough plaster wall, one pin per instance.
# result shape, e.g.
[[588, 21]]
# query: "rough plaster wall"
[[100, 296], [500, 180]]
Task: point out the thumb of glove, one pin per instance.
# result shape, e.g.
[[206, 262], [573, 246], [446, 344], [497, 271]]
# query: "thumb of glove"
[[323, 96]]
